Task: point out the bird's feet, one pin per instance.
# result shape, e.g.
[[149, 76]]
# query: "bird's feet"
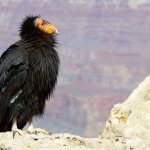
[[37, 130], [16, 130]]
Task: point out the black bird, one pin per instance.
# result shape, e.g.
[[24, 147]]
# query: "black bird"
[[28, 74]]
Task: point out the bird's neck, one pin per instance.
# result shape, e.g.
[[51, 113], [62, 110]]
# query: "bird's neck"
[[32, 39]]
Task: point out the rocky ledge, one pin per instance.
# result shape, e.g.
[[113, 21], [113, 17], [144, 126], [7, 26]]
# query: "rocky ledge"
[[127, 128]]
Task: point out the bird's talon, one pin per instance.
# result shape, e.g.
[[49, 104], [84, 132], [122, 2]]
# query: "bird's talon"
[[20, 132]]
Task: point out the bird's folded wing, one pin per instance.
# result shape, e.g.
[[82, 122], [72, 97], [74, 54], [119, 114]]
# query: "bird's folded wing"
[[13, 72]]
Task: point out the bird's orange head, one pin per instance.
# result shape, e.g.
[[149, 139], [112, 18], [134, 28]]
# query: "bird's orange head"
[[37, 27], [45, 26]]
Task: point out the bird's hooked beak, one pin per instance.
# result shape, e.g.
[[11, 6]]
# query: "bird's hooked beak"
[[50, 29], [46, 26]]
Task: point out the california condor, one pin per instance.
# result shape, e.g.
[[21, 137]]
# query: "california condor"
[[28, 74]]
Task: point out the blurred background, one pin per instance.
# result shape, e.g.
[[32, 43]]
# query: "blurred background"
[[104, 50]]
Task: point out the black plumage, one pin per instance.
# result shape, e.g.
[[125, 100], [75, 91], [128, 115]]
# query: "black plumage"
[[28, 73]]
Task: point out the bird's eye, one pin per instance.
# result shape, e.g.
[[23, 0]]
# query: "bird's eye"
[[39, 22]]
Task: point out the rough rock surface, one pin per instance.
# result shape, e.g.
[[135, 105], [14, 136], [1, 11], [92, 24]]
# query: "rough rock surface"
[[42, 141], [129, 122], [128, 128]]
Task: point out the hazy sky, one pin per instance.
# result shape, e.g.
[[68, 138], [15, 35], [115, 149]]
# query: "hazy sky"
[[136, 3], [132, 3]]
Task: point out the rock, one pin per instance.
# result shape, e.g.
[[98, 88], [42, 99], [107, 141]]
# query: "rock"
[[131, 119], [127, 128], [46, 142]]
